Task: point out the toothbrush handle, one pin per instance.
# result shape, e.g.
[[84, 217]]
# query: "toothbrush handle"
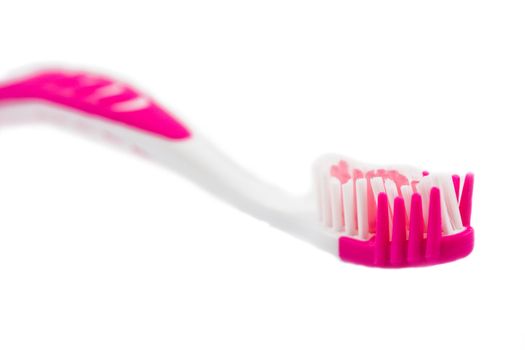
[[96, 96], [118, 113]]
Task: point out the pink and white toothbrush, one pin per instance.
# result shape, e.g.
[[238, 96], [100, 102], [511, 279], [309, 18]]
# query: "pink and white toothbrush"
[[392, 216]]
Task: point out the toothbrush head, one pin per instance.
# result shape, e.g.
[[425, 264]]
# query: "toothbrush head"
[[394, 216]]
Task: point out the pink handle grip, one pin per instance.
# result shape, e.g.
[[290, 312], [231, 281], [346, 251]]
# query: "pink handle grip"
[[96, 96]]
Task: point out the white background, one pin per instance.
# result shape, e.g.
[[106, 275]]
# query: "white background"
[[101, 250]]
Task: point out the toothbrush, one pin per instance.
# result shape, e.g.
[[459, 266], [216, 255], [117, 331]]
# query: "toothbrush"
[[395, 216]]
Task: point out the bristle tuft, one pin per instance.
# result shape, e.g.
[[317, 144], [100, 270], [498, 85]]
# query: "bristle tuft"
[[406, 192], [406, 213], [417, 226], [449, 203], [434, 225], [399, 236], [382, 230], [337, 203], [456, 180], [465, 204], [362, 208], [349, 208]]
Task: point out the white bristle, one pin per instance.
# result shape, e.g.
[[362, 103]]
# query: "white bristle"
[[423, 188], [349, 207], [406, 192], [326, 202], [344, 207], [391, 192], [377, 185], [319, 194], [445, 219], [337, 210], [362, 208], [449, 194]]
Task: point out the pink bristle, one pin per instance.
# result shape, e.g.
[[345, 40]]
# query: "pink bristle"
[[415, 233], [399, 235], [434, 232], [340, 171], [455, 181], [382, 230], [465, 204]]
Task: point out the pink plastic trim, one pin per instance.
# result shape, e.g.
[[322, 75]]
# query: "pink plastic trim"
[[465, 204], [450, 248], [402, 249], [98, 96]]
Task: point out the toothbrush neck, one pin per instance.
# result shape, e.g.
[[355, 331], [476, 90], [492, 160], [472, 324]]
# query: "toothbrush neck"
[[205, 165], [193, 157]]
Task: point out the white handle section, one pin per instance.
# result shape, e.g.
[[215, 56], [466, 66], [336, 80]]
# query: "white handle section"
[[195, 159]]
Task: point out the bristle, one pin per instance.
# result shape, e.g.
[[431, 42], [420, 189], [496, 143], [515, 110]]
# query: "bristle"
[[449, 198], [391, 192], [456, 181], [406, 192], [434, 225], [326, 201], [423, 188], [371, 201], [465, 204], [378, 186], [337, 210], [362, 208], [382, 230], [415, 233], [349, 207], [446, 224], [399, 236]]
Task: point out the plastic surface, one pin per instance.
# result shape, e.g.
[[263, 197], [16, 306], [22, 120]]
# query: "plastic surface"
[[96, 96]]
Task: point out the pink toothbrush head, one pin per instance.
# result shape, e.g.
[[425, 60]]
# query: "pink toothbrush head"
[[395, 216], [374, 216]]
